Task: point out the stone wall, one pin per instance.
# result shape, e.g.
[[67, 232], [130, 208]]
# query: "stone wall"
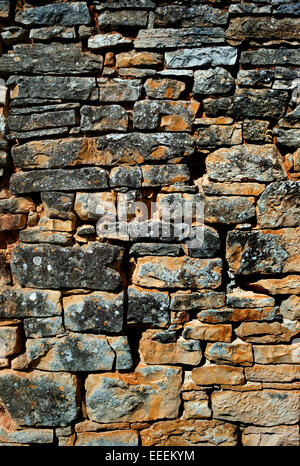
[[137, 336]]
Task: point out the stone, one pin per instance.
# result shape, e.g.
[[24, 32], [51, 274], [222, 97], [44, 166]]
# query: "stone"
[[287, 137], [12, 222], [263, 408], [277, 436], [263, 57], [199, 331], [151, 392], [4, 9], [231, 189], [263, 251], [180, 352], [246, 163], [124, 18], [164, 114], [213, 81], [296, 160], [287, 285], [22, 302], [290, 308], [246, 8], [34, 235], [107, 41], [218, 135], [66, 14], [278, 206], [36, 121], [131, 177], [58, 205], [203, 242], [273, 373], [196, 410], [10, 341], [103, 118], [257, 131], [50, 266], [258, 103], [227, 209], [212, 375], [255, 78], [136, 72], [189, 433], [121, 347], [234, 353], [164, 88], [94, 312], [155, 249], [208, 56], [16, 205], [92, 206], [173, 38], [13, 34], [136, 59], [263, 27], [277, 354], [173, 272], [227, 315], [48, 399], [115, 438], [157, 175], [146, 306], [238, 298], [119, 90], [189, 301], [185, 16], [51, 59], [52, 87], [22, 437], [112, 149], [43, 327], [53, 32], [265, 332], [63, 180]]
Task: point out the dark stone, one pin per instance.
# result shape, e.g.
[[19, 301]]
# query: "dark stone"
[[213, 81], [40, 328], [103, 118], [18, 303], [131, 18], [255, 78], [263, 27], [155, 249], [258, 103], [65, 14], [204, 241], [262, 57], [171, 38], [148, 307], [257, 131], [130, 177], [58, 205], [36, 121], [185, 16]]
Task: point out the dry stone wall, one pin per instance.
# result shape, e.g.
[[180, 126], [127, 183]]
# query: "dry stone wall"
[[140, 335]]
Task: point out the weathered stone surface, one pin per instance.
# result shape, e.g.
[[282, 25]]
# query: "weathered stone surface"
[[218, 135], [173, 272], [107, 41], [273, 373], [235, 353], [13, 34], [185, 301], [265, 332], [262, 57], [171, 38], [189, 433], [10, 341], [95, 312], [53, 32], [89, 206], [66, 14], [286, 285], [164, 88], [10, 436], [4, 9], [52, 87], [147, 306], [229, 209], [226, 315], [115, 438], [210, 375], [12, 222], [16, 205], [263, 251], [287, 137], [263, 408], [153, 351], [279, 205], [258, 103], [290, 308], [131, 177], [136, 59], [257, 131], [36, 121], [18, 303], [155, 249], [59, 180], [196, 15], [119, 90], [198, 409], [246, 163], [279, 436], [49, 266], [34, 235], [103, 118], [47, 399], [199, 331], [230, 189], [264, 27], [157, 175], [131, 18], [151, 392], [43, 327], [58, 205], [279, 354], [192, 58], [52, 58], [239, 298], [165, 114], [213, 81], [255, 78], [121, 347]]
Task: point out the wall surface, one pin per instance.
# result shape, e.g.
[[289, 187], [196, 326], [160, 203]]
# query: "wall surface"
[[146, 333]]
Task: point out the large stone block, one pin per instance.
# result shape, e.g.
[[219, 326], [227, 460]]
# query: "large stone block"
[[119, 90], [22, 302], [208, 56], [146, 306], [264, 27], [235, 353], [65, 14], [10, 341], [103, 118], [218, 374], [172, 38], [258, 103], [115, 438], [195, 15], [278, 436]]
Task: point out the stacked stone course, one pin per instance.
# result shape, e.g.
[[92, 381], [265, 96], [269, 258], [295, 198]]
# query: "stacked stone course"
[[131, 338]]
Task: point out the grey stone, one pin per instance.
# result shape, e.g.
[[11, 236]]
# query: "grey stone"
[[190, 301], [263, 27], [185, 16], [122, 351], [164, 88], [60, 180], [155, 249], [131, 177], [26, 436], [219, 135], [19, 303], [213, 81], [127, 4], [4, 9], [287, 137], [292, 8], [103, 118], [107, 41], [257, 131], [255, 78], [157, 175], [131, 18], [229, 209], [43, 327], [51, 59], [258, 103], [203, 243], [53, 32], [13, 34], [208, 56], [216, 107], [95, 312], [35, 235], [58, 205], [172, 38], [115, 438], [42, 405], [92, 206], [136, 72], [149, 307], [262, 57], [65, 14], [50, 266], [119, 90], [36, 121], [16, 205]]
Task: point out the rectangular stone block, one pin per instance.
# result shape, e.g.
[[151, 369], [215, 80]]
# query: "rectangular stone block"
[[10, 341], [186, 301], [199, 331], [206, 56], [172, 38], [279, 436], [22, 302], [115, 438], [277, 354], [211, 375], [66, 14], [147, 306], [195, 15], [103, 118], [119, 90], [263, 27], [262, 57]]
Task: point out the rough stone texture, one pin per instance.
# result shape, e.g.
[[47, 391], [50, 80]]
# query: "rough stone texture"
[[279, 205], [213, 81], [209, 56], [103, 118], [278, 436], [66, 14], [115, 438]]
